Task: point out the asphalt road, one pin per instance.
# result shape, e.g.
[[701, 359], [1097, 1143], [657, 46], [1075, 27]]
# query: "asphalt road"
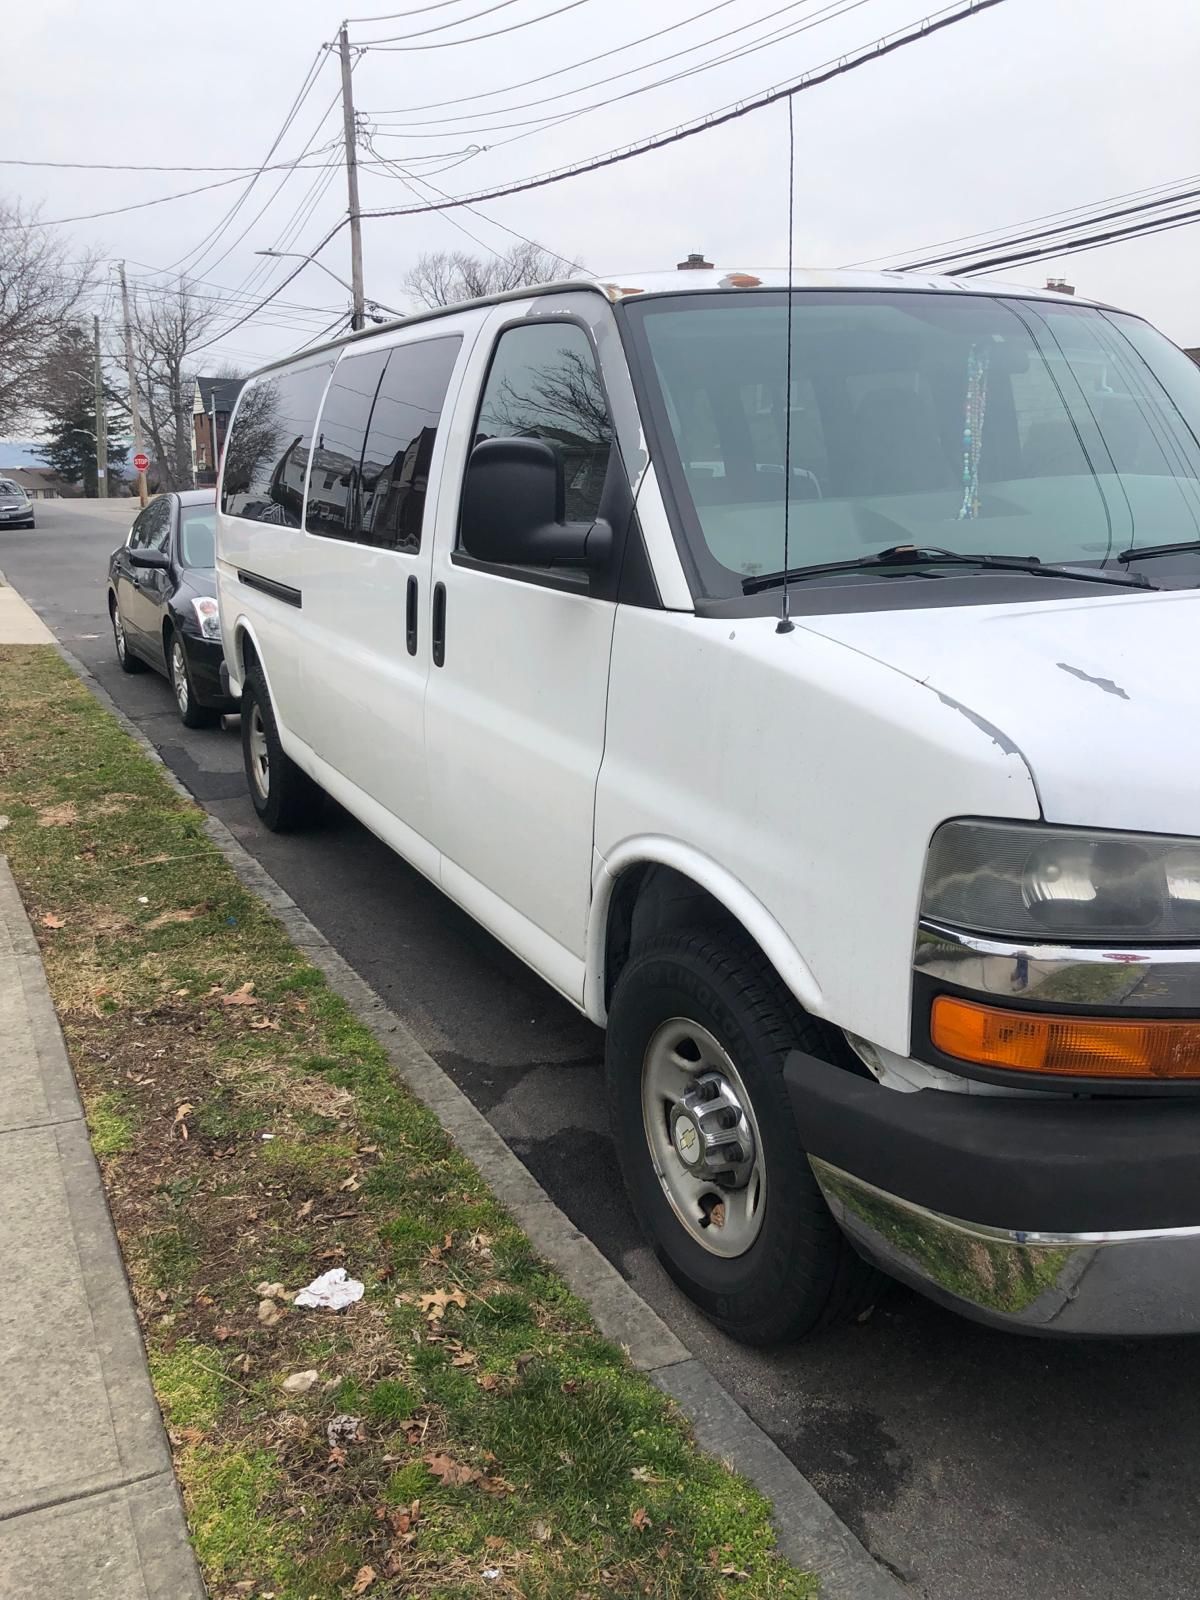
[[978, 1466]]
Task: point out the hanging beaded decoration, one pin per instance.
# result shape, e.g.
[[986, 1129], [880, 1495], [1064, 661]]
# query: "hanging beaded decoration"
[[972, 439]]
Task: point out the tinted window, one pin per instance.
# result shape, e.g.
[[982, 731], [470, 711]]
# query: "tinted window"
[[267, 451], [543, 384], [152, 526], [333, 484], [395, 465], [196, 531]]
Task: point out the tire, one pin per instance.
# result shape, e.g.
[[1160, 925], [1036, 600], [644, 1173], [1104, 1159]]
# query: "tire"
[[125, 656], [191, 713], [284, 796], [797, 1274]]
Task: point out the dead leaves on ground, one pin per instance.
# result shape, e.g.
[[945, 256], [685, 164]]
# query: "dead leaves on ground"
[[434, 1305], [454, 1474], [242, 996], [50, 920]]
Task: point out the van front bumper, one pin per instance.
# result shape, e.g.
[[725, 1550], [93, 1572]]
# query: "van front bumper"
[[1040, 1214]]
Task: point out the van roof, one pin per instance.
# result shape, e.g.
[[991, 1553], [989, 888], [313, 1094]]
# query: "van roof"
[[693, 280]]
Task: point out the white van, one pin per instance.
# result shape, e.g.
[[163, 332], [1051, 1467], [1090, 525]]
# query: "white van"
[[818, 715]]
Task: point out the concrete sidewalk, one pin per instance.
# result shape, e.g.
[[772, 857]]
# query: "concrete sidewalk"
[[89, 1508], [19, 622]]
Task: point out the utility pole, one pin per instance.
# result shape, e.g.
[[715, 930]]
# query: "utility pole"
[[134, 413], [358, 317], [101, 419]]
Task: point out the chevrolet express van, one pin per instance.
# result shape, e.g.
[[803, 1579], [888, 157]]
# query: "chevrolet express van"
[[806, 688]]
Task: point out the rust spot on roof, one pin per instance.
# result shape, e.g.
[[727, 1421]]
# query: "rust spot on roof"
[[740, 280], [614, 291]]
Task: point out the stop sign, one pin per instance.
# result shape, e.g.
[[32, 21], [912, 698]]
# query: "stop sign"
[[141, 462]]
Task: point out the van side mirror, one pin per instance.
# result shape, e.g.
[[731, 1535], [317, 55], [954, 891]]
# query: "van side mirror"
[[514, 509]]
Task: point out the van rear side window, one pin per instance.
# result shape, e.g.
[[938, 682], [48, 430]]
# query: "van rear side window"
[[400, 440], [333, 508], [267, 452], [375, 442]]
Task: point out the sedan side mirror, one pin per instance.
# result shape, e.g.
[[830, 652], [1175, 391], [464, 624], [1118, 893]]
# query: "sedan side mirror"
[[149, 558], [513, 509]]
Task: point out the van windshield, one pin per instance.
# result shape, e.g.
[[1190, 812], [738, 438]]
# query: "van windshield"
[[960, 421]]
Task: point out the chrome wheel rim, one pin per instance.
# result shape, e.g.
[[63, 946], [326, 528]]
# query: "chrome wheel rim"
[[179, 677], [703, 1138], [260, 758], [118, 633]]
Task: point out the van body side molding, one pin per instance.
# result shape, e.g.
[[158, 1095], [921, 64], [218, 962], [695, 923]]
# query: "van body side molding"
[[278, 591]]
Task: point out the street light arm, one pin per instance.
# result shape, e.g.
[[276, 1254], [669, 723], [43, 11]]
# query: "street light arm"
[[312, 260]]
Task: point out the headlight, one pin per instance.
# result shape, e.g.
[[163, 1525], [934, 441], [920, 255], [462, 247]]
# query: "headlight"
[[1026, 880], [208, 616]]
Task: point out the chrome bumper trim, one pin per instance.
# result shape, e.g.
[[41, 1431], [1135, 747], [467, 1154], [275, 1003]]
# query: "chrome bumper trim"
[[1082, 976], [1068, 1284]]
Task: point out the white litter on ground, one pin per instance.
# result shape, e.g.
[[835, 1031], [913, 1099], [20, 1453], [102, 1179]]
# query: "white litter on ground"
[[333, 1289]]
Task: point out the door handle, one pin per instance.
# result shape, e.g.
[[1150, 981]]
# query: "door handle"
[[439, 624], [410, 617]]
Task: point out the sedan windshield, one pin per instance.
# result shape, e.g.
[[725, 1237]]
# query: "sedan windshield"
[[962, 422], [197, 533]]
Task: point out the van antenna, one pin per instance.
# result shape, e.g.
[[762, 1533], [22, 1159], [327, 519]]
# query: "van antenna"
[[785, 623]]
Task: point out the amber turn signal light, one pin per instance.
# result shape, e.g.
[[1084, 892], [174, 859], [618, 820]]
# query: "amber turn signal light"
[[1071, 1047]]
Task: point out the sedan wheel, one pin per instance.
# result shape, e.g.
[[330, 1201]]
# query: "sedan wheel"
[[179, 678], [191, 713], [129, 662]]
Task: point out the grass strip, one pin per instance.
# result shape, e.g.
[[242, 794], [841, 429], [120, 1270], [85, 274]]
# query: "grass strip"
[[462, 1430]]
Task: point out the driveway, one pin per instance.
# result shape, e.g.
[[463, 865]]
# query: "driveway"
[[978, 1466]]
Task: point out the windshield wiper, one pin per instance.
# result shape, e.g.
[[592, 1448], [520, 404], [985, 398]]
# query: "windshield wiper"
[[1137, 551], [910, 555]]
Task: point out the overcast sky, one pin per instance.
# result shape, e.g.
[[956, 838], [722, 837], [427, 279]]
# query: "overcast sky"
[[1029, 108]]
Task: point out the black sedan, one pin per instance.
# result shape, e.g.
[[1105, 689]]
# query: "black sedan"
[[162, 600]]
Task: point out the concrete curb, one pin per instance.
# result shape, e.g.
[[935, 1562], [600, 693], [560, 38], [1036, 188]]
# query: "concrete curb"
[[809, 1532]]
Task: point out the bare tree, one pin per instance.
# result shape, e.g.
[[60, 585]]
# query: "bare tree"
[[441, 278], [40, 288], [166, 327]]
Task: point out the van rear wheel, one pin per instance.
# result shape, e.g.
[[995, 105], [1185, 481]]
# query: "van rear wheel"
[[284, 796], [699, 1029]]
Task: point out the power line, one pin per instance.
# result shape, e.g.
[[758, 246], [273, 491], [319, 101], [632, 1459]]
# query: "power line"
[[295, 273], [1077, 247], [439, 27], [474, 38], [1058, 228], [485, 94], [230, 302], [878, 48], [401, 16], [425, 183], [531, 125], [207, 282], [626, 72], [197, 253], [130, 166], [1005, 228], [113, 211]]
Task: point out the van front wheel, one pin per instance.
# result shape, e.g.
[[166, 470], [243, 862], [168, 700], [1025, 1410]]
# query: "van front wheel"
[[698, 1031], [284, 796]]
